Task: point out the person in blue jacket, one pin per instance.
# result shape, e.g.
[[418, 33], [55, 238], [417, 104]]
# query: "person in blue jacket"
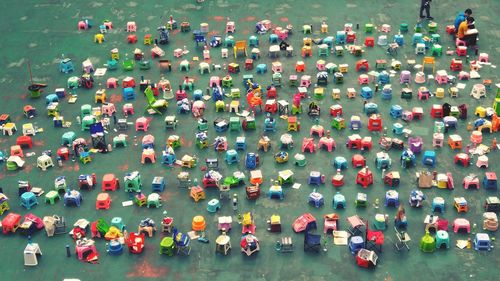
[[462, 16]]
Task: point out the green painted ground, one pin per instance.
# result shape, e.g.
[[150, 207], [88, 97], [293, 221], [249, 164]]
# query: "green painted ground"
[[40, 32]]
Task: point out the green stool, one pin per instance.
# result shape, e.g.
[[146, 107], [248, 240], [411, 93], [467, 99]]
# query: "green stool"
[[323, 50], [428, 243], [250, 123], [85, 110], [403, 28], [229, 42], [73, 82], [119, 140], [380, 222], [369, 28], [307, 29], [437, 50], [300, 160], [144, 65], [51, 197], [253, 41], [68, 138], [293, 81], [87, 121], [153, 200], [128, 65], [234, 124], [167, 246], [331, 68], [432, 27], [184, 65], [220, 106], [442, 238], [202, 125], [227, 82], [296, 110], [338, 123]]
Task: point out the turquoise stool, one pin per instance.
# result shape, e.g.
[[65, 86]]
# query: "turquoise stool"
[[232, 156], [112, 64], [435, 38], [403, 28], [118, 223], [261, 68], [229, 41], [328, 41], [371, 108], [197, 94], [340, 163], [51, 98], [366, 92], [438, 205], [339, 201], [417, 38], [253, 41], [442, 238], [398, 38], [397, 128], [85, 110], [28, 200], [273, 38], [213, 205], [68, 138]]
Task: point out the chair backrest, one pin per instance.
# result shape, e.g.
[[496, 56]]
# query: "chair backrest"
[[149, 95], [242, 44]]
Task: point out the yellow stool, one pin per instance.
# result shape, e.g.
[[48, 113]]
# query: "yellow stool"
[[99, 38], [115, 55], [439, 93]]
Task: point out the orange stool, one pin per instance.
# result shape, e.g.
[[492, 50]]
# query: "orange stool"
[[300, 66], [197, 193], [198, 223], [103, 201], [455, 142]]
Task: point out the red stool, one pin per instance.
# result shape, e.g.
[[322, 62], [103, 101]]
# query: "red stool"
[[450, 29], [336, 110], [63, 152], [103, 201], [249, 64], [110, 182], [362, 64], [358, 161], [132, 39], [456, 65], [437, 111], [366, 143], [369, 42], [128, 82], [25, 141], [300, 66], [351, 37], [461, 51]]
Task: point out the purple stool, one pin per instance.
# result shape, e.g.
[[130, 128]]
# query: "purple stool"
[[405, 77], [415, 144]]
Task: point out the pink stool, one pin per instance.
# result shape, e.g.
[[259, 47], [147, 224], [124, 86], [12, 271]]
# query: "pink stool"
[[318, 130], [320, 65], [112, 83], [482, 162], [470, 181], [483, 57], [128, 109], [461, 224], [305, 81], [82, 25], [363, 79], [178, 53], [215, 81], [476, 137], [108, 25], [108, 108], [463, 75], [461, 51], [149, 155], [142, 124], [442, 77], [459, 43], [131, 26], [230, 27], [327, 142]]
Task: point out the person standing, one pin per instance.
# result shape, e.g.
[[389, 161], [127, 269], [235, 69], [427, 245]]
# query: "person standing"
[[425, 5]]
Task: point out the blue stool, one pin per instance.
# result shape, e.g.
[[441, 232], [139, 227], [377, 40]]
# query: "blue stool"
[[197, 94], [158, 184], [442, 238], [276, 191], [232, 157], [118, 223], [383, 78], [273, 38], [315, 178], [270, 125], [482, 242], [328, 41], [339, 201], [261, 68], [391, 198], [340, 38], [340, 163], [51, 98], [396, 111], [417, 38], [253, 41], [355, 244], [66, 66], [168, 158], [371, 108], [366, 92], [28, 200], [397, 128], [251, 160], [438, 205], [241, 143], [316, 199], [398, 39], [213, 205], [128, 94], [115, 248], [429, 158]]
